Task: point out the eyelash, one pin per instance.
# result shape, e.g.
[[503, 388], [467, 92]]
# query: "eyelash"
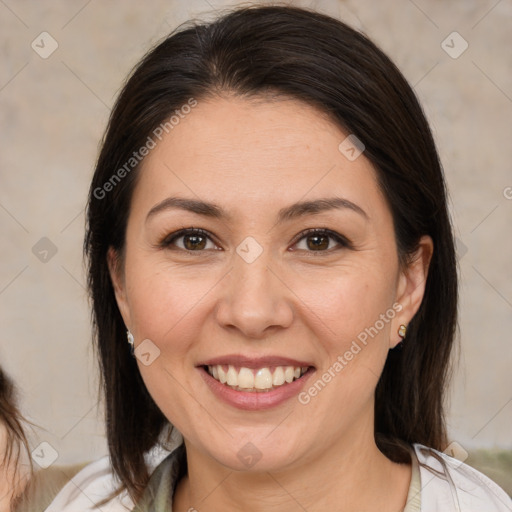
[[341, 240]]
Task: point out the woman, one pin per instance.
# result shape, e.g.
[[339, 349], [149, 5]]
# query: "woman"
[[273, 278]]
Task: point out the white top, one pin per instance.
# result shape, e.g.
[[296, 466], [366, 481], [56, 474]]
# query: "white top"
[[445, 485]]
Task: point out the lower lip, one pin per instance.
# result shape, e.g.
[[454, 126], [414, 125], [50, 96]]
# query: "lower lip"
[[254, 401]]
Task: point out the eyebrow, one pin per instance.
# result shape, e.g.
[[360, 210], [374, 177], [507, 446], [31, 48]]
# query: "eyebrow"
[[293, 211]]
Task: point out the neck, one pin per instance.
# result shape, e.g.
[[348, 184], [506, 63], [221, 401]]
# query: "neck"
[[352, 474]]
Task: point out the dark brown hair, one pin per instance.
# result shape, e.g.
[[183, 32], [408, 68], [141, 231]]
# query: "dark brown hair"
[[281, 50], [16, 440]]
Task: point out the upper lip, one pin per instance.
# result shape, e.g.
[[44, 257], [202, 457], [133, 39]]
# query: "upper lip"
[[253, 362]]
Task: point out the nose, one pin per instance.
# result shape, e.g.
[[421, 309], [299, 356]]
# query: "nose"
[[254, 298]]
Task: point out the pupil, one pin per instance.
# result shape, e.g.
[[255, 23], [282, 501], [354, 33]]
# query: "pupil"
[[319, 242], [195, 242]]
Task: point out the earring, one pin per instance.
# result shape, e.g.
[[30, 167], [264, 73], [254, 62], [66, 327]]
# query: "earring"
[[402, 330], [131, 341]]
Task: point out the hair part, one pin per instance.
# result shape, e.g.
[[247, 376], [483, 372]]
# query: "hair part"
[[254, 52]]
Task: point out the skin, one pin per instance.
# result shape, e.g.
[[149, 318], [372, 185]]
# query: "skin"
[[253, 158]]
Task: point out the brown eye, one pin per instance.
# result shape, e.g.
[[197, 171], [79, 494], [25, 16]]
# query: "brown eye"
[[191, 240], [317, 242], [320, 240]]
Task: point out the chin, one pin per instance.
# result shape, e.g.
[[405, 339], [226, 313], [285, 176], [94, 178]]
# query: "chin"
[[253, 453]]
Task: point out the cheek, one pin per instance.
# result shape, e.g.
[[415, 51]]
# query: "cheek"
[[347, 304], [169, 306], [165, 300], [351, 316], [350, 312]]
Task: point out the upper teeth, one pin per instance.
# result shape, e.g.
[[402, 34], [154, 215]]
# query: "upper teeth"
[[259, 378]]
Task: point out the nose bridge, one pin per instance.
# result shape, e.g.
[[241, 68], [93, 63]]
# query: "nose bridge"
[[251, 262], [254, 299], [253, 276]]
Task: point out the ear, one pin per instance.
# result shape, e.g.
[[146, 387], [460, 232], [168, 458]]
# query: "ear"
[[118, 283], [411, 286]]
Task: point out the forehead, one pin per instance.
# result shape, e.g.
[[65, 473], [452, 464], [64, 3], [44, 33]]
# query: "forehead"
[[237, 128], [235, 149]]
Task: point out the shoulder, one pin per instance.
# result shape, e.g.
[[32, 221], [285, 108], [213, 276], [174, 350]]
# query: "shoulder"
[[449, 484], [95, 483]]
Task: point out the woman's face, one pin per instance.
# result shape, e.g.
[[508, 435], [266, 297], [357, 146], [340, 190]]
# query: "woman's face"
[[253, 295]]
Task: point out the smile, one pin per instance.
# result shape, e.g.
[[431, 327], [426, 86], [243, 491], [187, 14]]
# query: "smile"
[[263, 379], [255, 383]]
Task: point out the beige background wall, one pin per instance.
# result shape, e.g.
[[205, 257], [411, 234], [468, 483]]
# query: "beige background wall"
[[52, 115]]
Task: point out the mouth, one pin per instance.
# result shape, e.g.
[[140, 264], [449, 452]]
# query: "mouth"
[[255, 383], [255, 380]]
